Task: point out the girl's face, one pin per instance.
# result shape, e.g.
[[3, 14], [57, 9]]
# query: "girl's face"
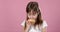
[[32, 15]]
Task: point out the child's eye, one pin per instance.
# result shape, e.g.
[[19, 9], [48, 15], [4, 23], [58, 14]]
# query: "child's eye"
[[34, 13]]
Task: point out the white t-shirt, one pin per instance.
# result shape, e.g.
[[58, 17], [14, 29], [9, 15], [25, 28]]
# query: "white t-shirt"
[[32, 27]]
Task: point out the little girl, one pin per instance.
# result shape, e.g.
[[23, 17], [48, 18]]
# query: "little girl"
[[34, 22]]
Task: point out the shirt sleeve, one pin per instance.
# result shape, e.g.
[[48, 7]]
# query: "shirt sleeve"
[[23, 23], [44, 24]]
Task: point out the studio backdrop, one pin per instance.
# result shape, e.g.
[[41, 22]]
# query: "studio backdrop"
[[13, 12]]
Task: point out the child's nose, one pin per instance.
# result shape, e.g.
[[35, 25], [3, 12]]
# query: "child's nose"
[[32, 12]]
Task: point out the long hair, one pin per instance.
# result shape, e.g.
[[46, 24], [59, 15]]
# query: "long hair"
[[33, 6]]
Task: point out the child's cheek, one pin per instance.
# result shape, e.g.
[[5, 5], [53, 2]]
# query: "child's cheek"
[[30, 17]]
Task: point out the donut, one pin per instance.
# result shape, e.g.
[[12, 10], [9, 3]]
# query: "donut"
[[31, 20]]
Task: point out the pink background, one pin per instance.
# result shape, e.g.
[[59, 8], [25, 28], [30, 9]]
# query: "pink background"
[[12, 13]]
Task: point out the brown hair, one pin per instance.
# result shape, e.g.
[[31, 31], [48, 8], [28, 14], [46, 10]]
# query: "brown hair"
[[33, 6]]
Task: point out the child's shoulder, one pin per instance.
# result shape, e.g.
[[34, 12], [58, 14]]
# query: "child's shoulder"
[[44, 23], [23, 22]]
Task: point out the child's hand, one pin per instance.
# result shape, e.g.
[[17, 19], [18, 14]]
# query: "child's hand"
[[30, 22]]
